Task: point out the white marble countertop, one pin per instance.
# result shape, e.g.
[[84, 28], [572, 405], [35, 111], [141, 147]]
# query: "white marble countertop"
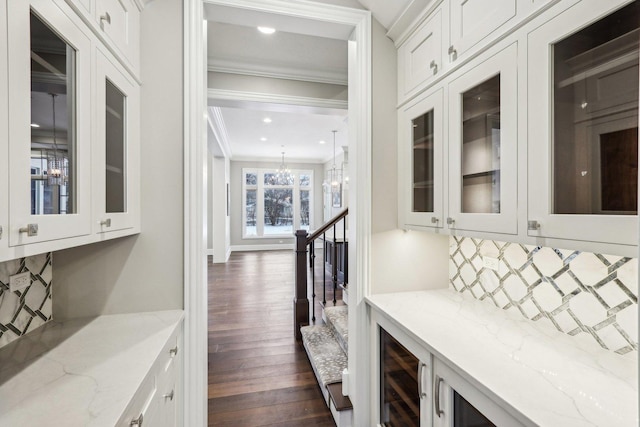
[[82, 372], [550, 378]]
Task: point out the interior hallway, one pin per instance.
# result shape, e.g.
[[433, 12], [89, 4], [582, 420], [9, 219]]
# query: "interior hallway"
[[258, 374]]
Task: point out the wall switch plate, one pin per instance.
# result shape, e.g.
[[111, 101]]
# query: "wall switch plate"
[[491, 263], [18, 282]]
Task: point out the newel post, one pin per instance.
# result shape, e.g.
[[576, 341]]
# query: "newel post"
[[300, 301]]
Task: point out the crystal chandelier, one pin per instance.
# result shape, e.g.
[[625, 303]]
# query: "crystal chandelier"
[[283, 174], [56, 163]]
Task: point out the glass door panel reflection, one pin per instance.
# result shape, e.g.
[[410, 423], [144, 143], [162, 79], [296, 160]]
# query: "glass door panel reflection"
[[53, 135], [481, 148], [595, 112], [423, 140], [116, 191], [466, 415], [400, 403]]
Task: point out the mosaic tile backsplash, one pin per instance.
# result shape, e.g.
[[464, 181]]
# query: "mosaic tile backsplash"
[[24, 311], [582, 294]]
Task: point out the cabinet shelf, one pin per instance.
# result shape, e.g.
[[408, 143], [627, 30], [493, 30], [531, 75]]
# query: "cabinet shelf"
[[482, 173]]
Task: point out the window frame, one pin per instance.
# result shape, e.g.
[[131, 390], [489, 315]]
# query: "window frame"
[[260, 188]]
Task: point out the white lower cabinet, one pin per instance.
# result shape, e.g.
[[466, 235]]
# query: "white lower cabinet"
[[415, 388], [457, 403], [159, 398]]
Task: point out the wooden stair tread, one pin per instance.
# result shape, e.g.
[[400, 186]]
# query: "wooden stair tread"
[[341, 403]]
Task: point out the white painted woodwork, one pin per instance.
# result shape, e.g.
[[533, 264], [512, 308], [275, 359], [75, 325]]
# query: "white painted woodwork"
[[617, 229], [117, 24], [473, 20], [406, 215], [4, 137], [503, 63], [51, 227], [107, 69], [420, 57]]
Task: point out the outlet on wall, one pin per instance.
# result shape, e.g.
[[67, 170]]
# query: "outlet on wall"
[[18, 282], [491, 263]]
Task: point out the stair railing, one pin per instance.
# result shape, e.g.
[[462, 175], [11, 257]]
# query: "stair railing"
[[336, 252]]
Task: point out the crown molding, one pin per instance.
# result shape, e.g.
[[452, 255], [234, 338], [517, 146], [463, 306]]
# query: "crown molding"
[[286, 72], [219, 129], [289, 100], [413, 15]]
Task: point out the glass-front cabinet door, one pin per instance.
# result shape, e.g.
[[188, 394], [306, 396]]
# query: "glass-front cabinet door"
[[49, 132], [116, 152], [421, 163], [483, 146], [405, 384], [583, 124]]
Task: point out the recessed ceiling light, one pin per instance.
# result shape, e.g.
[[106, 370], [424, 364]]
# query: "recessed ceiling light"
[[266, 30], [323, 142], [266, 120], [35, 125], [263, 139]]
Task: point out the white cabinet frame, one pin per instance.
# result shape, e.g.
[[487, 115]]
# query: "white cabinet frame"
[[106, 69], [431, 102], [619, 229], [505, 64], [50, 227]]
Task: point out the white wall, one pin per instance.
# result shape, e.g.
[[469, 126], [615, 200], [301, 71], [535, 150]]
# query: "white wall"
[[401, 261], [143, 272], [236, 201]]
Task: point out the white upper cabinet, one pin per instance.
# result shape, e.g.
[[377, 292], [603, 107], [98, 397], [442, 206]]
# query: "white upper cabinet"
[[420, 57], [483, 172], [50, 124], [421, 159], [117, 23], [473, 20], [116, 149], [583, 124]]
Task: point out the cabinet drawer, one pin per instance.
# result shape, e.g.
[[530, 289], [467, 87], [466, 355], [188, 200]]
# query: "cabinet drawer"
[[143, 404], [119, 20], [473, 20], [420, 57]]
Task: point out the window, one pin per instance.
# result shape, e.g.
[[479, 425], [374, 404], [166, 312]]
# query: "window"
[[272, 207]]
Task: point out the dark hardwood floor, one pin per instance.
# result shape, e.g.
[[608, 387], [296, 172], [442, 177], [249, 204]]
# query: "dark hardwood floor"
[[258, 374]]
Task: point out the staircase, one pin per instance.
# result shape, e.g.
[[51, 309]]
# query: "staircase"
[[327, 348], [325, 339]]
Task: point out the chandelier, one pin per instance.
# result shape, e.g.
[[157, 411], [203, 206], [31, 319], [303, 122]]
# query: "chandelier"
[[283, 174], [334, 178]]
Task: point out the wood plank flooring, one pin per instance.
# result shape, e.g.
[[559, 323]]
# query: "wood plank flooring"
[[258, 374]]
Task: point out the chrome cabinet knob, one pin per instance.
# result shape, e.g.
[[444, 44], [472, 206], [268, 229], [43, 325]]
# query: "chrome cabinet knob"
[[173, 352], [106, 222], [105, 18], [137, 422], [30, 229], [169, 396], [434, 66]]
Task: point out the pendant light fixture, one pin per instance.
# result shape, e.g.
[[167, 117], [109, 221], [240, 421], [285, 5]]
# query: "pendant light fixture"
[[56, 164], [335, 178], [283, 175]]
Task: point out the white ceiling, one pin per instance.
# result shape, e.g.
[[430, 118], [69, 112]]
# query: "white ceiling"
[[314, 50], [299, 133]]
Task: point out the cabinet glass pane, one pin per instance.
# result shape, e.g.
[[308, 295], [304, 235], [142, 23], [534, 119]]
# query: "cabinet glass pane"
[[53, 136], [423, 163], [595, 113], [466, 415], [116, 190], [481, 148], [400, 404]]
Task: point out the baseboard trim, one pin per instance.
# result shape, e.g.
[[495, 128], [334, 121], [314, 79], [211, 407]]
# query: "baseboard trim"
[[277, 247], [210, 252]]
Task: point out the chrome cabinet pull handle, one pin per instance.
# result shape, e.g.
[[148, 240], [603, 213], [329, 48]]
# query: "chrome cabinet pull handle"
[[105, 18], [138, 421], [434, 66], [452, 50], [421, 393], [1, 232], [30, 229], [169, 396], [436, 396], [173, 352]]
